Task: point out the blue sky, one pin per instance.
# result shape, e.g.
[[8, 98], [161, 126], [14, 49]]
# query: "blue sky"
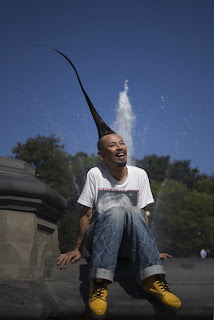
[[164, 49]]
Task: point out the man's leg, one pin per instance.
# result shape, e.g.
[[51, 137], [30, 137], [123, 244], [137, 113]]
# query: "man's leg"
[[107, 236], [140, 242], [103, 239]]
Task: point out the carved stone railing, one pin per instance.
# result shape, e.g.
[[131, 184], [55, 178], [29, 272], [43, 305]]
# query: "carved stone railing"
[[29, 211]]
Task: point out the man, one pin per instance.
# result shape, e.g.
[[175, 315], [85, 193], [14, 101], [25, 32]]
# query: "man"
[[203, 253], [119, 223], [113, 220]]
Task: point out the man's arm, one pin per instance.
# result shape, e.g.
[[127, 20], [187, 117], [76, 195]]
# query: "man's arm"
[[74, 255], [144, 211]]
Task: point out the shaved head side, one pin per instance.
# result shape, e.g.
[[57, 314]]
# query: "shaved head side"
[[100, 144]]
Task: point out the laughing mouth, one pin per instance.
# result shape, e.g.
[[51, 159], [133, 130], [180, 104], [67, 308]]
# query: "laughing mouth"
[[120, 154]]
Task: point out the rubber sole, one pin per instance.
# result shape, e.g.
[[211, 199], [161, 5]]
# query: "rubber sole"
[[158, 303], [93, 316]]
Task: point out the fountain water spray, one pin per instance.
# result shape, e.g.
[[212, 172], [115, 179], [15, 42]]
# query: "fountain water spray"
[[125, 120]]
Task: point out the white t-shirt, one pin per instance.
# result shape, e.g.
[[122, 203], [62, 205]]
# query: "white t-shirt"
[[102, 192]]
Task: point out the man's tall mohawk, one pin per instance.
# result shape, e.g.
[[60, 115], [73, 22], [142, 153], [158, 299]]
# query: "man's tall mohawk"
[[102, 127]]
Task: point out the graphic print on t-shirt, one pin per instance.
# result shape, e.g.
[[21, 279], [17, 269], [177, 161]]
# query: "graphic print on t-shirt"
[[109, 198]]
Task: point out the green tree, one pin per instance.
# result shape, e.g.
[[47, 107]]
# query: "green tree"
[[200, 208], [206, 185], [182, 220], [156, 167], [180, 170], [51, 162], [160, 168]]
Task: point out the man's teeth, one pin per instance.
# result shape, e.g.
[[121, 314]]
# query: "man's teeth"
[[120, 154]]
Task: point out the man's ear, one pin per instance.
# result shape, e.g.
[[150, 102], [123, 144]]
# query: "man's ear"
[[100, 154]]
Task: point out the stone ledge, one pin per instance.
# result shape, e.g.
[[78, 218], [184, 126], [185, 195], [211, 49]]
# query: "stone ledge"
[[63, 293], [16, 167], [20, 190], [30, 195], [32, 188]]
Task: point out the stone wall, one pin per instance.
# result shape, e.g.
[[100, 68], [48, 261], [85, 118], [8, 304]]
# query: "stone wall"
[[29, 211]]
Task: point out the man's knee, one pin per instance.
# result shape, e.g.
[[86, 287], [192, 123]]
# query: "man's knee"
[[112, 214], [134, 210], [135, 213]]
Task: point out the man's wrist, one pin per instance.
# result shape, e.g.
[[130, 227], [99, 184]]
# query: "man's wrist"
[[78, 246]]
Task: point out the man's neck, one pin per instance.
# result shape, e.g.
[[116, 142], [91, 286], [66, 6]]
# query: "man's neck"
[[119, 173]]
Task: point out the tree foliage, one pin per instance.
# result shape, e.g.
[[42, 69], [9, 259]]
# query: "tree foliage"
[[51, 162], [180, 170], [182, 220], [156, 167], [182, 217]]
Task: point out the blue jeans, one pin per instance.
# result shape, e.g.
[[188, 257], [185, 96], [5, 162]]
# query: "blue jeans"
[[121, 230]]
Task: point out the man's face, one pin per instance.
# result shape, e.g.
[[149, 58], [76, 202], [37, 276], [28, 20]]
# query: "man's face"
[[113, 150]]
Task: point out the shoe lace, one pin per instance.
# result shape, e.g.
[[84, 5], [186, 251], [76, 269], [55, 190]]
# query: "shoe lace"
[[162, 283], [98, 289]]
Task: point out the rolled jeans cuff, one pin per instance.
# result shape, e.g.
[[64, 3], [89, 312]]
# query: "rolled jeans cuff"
[[149, 271], [101, 273]]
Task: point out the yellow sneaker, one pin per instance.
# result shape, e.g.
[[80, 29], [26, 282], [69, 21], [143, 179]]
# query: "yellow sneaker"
[[97, 303], [156, 286]]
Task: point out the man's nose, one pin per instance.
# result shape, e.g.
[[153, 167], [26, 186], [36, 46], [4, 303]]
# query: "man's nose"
[[119, 148]]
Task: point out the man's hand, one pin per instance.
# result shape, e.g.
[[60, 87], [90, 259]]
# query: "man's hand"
[[65, 258], [164, 255]]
